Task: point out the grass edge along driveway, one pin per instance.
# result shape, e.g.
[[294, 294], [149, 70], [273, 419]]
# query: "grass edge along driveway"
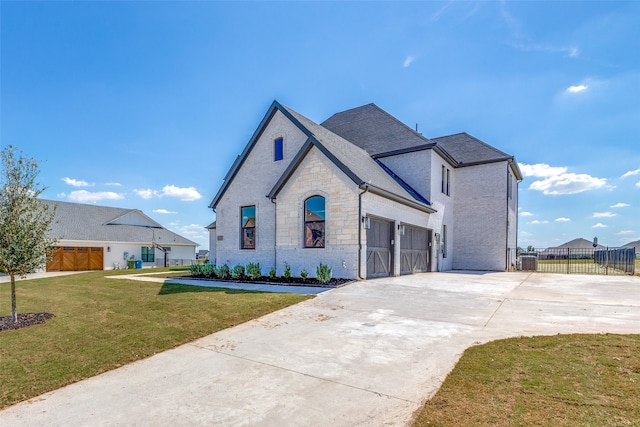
[[101, 324], [559, 380]]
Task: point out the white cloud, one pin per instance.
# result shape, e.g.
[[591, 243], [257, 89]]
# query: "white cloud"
[[526, 213], [84, 196], [75, 182], [620, 205], [191, 231], [625, 232], [113, 184], [541, 170], [638, 184], [568, 183], [408, 61], [163, 211], [631, 173], [146, 194], [603, 215], [577, 88], [535, 221], [599, 225], [563, 220], [187, 194]]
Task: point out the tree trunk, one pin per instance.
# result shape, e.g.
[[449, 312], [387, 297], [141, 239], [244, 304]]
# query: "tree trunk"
[[14, 313]]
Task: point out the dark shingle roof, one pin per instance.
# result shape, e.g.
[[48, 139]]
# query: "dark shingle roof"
[[373, 130], [379, 133], [77, 221], [467, 150]]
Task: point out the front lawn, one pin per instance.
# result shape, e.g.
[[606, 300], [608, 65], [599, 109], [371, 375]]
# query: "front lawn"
[[101, 324], [562, 380]]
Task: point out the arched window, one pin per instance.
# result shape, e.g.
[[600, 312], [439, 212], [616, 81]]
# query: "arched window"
[[314, 216]]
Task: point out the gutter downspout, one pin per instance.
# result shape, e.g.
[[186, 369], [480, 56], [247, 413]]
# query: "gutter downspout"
[[366, 188], [275, 229]]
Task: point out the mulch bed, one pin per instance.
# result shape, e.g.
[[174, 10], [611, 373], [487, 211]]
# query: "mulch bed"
[[281, 281], [24, 319]]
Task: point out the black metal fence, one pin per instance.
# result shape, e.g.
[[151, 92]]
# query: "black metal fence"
[[580, 261]]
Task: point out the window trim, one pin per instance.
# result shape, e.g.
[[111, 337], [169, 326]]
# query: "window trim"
[[305, 222], [243, 228]]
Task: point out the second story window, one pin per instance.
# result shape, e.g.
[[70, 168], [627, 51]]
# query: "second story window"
[[314, 215], [278, 149], [446, 177], [248, 227]]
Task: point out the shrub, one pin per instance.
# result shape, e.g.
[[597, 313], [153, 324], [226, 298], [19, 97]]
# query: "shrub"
[[196, 270], [304, 274], [224, 272], [237, 272], [211, 270], [287, 271], [272, 273], [253, 270], [323, 273]]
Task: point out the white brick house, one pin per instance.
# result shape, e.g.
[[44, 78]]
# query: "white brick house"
[[366, 195]]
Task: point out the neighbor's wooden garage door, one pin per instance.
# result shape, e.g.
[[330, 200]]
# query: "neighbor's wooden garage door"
[[76, 258], [415, 250]]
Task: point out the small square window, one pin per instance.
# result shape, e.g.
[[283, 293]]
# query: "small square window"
[[278, 149]]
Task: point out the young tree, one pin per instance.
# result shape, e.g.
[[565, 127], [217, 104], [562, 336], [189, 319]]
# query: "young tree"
[[24, 220]]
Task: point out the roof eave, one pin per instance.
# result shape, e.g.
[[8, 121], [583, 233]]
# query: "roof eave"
[[397, 198], [275, 106]]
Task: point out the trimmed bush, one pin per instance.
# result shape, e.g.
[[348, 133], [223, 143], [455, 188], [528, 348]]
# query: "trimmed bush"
[[323, 273], [253, 270], [272, 273], [224, 272], [304, 274], [237, 272], [287, 271]]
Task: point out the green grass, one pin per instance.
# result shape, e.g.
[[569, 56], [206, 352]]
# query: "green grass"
[[562, 380], [101, 324]]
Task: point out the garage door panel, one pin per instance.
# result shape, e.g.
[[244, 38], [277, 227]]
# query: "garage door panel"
[[379, 248], [414, 250], [96, 258]]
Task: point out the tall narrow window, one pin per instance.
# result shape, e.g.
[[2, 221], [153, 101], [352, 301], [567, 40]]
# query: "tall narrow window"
[[278, 149], [314, 216], [248, 227], [444, 241], [446, 176], [148, 254]]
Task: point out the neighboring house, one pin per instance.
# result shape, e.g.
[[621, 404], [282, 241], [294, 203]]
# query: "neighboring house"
[[635, 245], [571, 249], [94, 237], [366, 195]]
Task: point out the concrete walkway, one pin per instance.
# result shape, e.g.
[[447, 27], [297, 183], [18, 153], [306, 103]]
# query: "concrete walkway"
[[367, 354]]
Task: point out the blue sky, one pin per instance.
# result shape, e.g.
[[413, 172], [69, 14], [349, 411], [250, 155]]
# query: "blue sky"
[[146, 104]]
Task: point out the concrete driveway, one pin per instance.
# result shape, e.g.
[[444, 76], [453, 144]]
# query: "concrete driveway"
[[367, 354]]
